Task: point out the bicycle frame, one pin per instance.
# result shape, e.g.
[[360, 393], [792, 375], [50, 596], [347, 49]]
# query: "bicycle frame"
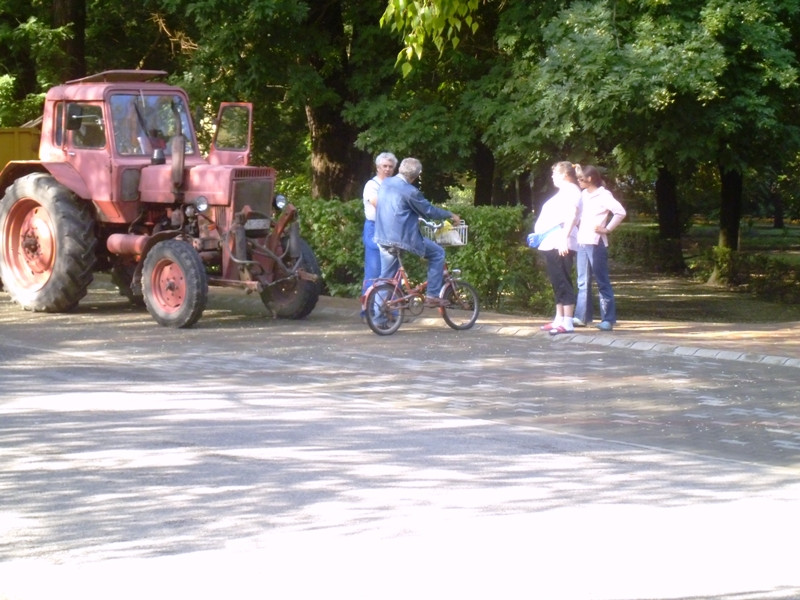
[[404, 290]]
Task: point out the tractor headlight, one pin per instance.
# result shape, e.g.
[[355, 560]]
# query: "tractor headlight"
[[201, 203], [280, 201]]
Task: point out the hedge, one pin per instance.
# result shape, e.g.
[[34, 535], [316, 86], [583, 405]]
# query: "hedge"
[[507, 274]]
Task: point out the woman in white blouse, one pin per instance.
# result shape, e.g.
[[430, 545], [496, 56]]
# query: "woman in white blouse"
[[559, 215]]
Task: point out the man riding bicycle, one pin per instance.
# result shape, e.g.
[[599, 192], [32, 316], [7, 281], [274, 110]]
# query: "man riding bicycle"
[[400, 205]]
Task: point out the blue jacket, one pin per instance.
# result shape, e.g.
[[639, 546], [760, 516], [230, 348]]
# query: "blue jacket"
[[400, 205]]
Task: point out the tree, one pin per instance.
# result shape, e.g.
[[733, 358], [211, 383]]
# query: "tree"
[[35, 41], [754, 115], [451, 46], [654, 87], [296, 60], [71, 15], [424, 114]]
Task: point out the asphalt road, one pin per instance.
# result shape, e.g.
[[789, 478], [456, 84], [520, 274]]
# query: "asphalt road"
[[254, 458]]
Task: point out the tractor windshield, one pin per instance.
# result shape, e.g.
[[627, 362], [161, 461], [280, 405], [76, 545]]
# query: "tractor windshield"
[[144, 123]]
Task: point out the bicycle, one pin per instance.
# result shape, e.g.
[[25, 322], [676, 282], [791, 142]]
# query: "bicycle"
[[388, 300]]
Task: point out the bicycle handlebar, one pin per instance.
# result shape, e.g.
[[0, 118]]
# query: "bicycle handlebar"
[[432, 224], [435, 225]]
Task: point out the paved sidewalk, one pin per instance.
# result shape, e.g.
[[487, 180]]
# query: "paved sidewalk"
[[768, 343]]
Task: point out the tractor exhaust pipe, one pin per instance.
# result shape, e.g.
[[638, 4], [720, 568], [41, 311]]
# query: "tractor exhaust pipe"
[[127, 244]]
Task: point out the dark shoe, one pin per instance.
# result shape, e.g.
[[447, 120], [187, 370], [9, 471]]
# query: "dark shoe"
[[433, 302]]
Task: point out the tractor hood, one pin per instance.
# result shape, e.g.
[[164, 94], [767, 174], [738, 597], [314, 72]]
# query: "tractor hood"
[[222, 185]]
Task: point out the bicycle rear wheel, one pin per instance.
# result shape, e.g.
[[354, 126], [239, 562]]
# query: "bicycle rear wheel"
[[462, 307], [383, 310]]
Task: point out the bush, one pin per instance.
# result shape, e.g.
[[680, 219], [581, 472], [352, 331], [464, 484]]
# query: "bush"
[[764, 276], [642, 246], [333, 229], [506, 274]]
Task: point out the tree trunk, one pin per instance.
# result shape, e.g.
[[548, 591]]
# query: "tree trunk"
[[333, 154], [525, 190], [484, 175], [670, 251], [730, 212], [504, 194], [338, 170], [778, 208], [669, 223], [71, 13]]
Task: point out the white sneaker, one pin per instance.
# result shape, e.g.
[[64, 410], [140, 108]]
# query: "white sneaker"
[[577, 322]]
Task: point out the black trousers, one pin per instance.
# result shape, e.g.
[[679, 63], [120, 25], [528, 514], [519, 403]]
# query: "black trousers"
[[559, 271]]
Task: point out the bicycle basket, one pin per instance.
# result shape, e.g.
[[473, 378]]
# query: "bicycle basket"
[[448, 234]]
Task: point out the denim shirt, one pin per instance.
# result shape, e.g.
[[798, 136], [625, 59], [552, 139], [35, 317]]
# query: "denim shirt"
[[400, 205]]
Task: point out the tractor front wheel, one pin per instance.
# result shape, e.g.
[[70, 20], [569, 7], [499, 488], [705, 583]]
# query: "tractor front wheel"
[[174, 283]]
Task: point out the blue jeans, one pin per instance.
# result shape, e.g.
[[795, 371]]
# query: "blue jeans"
[[593, 262], [434, 254], [372, 256]]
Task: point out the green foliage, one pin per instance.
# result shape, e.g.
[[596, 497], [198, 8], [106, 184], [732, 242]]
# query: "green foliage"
[[767, 277], [294, 186], [633, 86], [420, 123], [14, 113], [439, 21], [642, 246], [488, 260], [333, 230], [607, 78]]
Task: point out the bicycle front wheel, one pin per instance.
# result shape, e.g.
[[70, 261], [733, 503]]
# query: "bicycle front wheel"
[[384, 310], [461, 310]]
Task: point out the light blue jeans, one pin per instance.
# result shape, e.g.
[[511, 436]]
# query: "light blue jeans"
[[372, 255], [593, 263]]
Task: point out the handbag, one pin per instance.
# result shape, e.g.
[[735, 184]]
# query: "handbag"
[[535, 239]]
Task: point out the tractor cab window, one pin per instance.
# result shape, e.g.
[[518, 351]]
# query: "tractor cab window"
[[87, 126], [144, 123]]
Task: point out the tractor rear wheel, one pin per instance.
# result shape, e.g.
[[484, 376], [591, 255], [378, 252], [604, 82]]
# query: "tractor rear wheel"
[[48, 244], [295, 298], [174, 283]]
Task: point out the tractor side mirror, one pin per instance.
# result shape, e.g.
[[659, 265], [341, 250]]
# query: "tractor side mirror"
[[74, 116]]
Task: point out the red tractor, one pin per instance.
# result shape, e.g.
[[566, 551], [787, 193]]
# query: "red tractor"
[[121, 186]]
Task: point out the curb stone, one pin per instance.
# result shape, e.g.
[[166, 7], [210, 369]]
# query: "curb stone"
[[606, 339]]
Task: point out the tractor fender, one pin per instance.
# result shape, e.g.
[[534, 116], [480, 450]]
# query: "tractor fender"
[[17, 169], [61, 172]]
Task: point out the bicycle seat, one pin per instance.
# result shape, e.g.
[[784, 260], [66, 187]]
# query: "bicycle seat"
[[393, 250]]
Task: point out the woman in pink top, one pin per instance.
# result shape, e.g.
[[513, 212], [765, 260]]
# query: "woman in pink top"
[[559, 215], [597, 204]]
